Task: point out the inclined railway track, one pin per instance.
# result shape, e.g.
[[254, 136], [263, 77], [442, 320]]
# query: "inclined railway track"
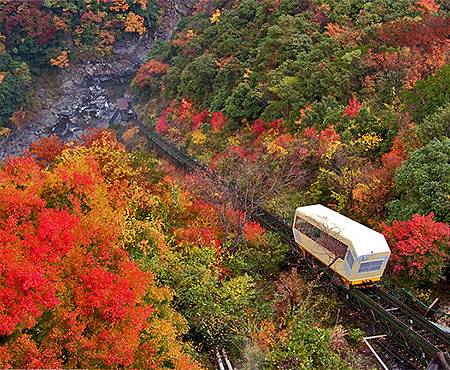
[[430, 338], [417, 336], [418, 339]]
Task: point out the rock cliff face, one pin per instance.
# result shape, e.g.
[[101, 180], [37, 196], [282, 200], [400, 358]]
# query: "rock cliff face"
[[84, 95]]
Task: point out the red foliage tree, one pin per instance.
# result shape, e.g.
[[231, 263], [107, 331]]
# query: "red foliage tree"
[[162, 126], [200, 236], [90, 16], [69, 294], [47, 149], [420, 247], [199, 119], [422, 45], [184, 111], [353, 108], [276, 124], [412, 33], [236, 151], [31, 17], [148, 70], [252, 231], [258, 127], [310, 133], [326, 138], [218, 121]]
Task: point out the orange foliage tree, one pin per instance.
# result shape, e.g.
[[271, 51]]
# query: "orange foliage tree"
[[146, 72], [47, 149], [372, 195], [426, 6], [135, 23], [61, 61], [18, 118]]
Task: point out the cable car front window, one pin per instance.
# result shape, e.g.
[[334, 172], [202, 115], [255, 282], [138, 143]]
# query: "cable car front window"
[[315, 232], [299, 224], [370, 266]]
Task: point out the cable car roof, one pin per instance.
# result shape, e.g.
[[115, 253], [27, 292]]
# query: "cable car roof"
[[364, 240]]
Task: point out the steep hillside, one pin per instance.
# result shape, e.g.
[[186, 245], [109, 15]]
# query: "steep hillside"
[[353, 95], [109, 259]]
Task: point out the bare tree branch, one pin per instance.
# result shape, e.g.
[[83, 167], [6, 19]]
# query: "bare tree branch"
[[241, 186]]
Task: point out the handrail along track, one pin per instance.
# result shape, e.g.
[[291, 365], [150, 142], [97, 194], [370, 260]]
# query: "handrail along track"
[[418, 337]]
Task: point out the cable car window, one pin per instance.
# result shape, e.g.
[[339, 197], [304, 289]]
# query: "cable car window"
[[349, 259], [315, 233], [332, 244], [370, 266], [309, 230]]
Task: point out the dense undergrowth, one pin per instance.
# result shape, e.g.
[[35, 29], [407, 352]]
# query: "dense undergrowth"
[[352, 94]]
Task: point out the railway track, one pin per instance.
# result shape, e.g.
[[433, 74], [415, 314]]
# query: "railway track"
[[420, 338], [412, 341], [223, 363]]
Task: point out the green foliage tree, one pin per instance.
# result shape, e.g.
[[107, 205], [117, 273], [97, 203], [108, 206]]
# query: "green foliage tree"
[[196, 79], [423, 183], [12, 87], [436, 125], [213, 307], [245, 102], [307, 347], [429, 94]]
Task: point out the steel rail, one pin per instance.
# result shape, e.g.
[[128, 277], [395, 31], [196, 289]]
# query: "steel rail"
[[432, 341]]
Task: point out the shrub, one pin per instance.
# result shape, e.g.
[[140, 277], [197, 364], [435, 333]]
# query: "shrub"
[[419, 248]]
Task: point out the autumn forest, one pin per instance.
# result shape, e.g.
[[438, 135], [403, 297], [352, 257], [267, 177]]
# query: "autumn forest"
[[111, 256]]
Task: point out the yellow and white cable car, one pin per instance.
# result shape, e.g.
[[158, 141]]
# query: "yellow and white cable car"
[[355, 252]]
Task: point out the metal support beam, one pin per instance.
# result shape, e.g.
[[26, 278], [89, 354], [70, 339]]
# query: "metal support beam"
[[376, 355]]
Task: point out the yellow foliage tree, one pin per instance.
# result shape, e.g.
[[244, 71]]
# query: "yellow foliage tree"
[[119, 6], [2, 45], [198, 137], [4, 131], [135, 23], [129, 134], [60, 23], [107, 38], [216, 16], [142, 3]]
